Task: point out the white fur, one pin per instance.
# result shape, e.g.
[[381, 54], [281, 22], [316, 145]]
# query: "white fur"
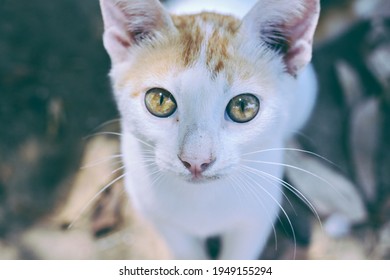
[[241, 207]]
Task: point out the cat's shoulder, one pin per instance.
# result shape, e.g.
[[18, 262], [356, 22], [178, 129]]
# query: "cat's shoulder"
[[236, 8]]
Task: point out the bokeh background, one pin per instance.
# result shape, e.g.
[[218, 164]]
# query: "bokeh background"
[[57, 116]]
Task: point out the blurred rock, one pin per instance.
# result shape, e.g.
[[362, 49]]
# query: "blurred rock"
[[365, 127], [329, 191], [325, 247], [47, 243], [100, 158], [382, 248], [8, 251]]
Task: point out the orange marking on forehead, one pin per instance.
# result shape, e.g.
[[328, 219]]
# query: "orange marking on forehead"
[[192, 38], [217, 52], [224, 23]]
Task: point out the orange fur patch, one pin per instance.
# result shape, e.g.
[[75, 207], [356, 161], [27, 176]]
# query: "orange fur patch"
[[209, 35], [192, 38]]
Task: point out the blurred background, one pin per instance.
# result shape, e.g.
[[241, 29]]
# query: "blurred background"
[[58, 144]]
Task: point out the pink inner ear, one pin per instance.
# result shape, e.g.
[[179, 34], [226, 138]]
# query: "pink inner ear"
[[300, 31], [122, 41], [303, 27], [297, 57], [116, 43], [113, 14]]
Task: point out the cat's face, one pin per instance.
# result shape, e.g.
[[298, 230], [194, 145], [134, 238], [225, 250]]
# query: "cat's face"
[[202, 90], [200, 98]]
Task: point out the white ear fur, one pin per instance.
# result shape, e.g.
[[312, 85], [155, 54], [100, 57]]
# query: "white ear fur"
[[288, 26], [127, 22]]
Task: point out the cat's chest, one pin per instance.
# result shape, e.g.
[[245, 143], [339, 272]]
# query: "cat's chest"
[[205, 210], [202, 210]]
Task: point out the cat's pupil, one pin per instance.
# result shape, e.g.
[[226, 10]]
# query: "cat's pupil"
[[161, 99], [242, 105]]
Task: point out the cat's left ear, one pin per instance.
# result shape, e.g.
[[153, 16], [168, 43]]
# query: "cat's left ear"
[[286, 26], [128, 22]]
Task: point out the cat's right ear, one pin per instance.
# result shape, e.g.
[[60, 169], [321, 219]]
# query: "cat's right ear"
[[129, 22], [286, 26]]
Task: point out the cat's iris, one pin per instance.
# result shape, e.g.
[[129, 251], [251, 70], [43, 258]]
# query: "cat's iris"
[[243, 108], [160, 102]]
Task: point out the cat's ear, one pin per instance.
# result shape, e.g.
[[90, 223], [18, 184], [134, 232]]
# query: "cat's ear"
[[287, 26], [128, 22]]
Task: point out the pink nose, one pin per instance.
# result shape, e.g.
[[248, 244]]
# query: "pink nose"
[[196, 166]]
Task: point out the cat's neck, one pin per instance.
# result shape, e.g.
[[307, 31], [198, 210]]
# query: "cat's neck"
[[237, 8]]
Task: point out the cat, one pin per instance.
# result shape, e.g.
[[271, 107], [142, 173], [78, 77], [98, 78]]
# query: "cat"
[[207, 102]]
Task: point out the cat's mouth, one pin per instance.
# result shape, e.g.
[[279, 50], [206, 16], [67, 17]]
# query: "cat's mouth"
[[199, 178]]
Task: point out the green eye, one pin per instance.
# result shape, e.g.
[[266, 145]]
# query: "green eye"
[[243, 108], [160, 102]]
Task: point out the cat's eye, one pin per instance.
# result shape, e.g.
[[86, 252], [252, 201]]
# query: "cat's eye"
[[160, 102], [243, 108]]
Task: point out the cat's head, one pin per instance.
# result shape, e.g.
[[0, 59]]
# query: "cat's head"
[[203, 89]]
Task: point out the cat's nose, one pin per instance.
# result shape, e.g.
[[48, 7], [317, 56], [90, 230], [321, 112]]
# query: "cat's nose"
[[197, 166]]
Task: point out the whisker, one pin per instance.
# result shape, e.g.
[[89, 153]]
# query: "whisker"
[[102, 134], [156, 171], [281, 208], [148, 151], [298, 194], [292, 150], [148, 154], [293, 190], [150, 164], [144, 142], [237, 189], [94, 198], [118, 169], [106, 124], [296, 168], [101, 161], [256, 172], [146, 158], [157, 178], [254, 192], [117, 134]]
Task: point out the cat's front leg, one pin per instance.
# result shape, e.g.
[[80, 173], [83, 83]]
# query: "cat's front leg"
[[181, 245], [245, 242]]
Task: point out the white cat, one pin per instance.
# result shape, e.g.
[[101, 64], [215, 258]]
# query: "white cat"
[[207, 102]]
